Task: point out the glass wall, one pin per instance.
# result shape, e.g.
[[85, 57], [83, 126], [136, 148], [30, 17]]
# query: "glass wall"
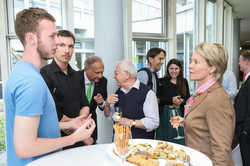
[[83, 26], [148, 21]]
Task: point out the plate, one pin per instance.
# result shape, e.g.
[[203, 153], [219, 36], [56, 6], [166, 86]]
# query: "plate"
[[197, 158]]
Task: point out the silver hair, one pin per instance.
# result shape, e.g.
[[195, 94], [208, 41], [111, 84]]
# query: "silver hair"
[[90, 60], [128, 66]]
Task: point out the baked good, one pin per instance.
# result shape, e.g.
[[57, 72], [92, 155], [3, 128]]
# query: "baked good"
[[141, 160]]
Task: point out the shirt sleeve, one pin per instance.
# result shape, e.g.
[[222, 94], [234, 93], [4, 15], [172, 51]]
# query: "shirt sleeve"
[[229, 83], [142, 76], [150, 109], [30, 98], [110, 117]]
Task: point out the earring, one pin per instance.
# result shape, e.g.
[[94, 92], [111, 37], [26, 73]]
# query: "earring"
[[210, 73]]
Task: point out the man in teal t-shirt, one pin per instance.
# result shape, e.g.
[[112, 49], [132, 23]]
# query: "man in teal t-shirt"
[[32, 128]]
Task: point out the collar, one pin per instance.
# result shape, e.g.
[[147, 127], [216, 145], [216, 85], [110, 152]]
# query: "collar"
[[56, 68], [205, 86], [150, 69], [247, 75], [86, 79], [136, 85]]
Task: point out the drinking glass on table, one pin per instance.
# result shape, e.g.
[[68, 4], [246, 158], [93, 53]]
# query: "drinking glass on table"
[[118, 112], [123, 145], [175, 122]]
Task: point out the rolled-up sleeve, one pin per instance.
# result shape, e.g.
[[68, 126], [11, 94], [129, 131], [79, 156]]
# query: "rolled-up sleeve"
[[150, 109]]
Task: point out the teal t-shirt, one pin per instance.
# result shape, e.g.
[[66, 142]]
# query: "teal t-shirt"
[[26, 94]]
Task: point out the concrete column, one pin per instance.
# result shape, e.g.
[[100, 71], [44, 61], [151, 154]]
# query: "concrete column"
[[201, 20], [220, 21], [171, 29], [3, 42], [236, 46], [109, 45]]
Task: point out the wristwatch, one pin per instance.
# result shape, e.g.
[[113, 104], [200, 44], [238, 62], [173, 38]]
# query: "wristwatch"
[[134, 123]]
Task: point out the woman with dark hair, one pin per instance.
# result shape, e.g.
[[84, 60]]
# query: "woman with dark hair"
[[173, 93]]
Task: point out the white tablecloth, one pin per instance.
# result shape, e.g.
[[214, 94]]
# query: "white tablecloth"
[[101, 154], [86, 155]]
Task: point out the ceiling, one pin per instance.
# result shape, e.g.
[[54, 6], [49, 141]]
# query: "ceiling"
[[241, 10]]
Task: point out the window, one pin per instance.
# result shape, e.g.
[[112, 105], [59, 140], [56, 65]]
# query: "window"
[[140, 49], [184, 31], [210, 22], [149, 23], [84, 30], [52, 6], [147, 16]]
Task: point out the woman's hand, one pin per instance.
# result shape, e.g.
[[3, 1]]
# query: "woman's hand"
[[180, 121], [177, 100]]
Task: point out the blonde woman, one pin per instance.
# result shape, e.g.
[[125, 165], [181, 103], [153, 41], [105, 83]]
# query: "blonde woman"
[[209, 118]]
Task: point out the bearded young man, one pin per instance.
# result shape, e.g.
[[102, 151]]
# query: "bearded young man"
[[32, 127]]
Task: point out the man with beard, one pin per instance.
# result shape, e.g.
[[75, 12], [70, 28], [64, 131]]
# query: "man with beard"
[[148, 75], [32, 127], [66, 85]]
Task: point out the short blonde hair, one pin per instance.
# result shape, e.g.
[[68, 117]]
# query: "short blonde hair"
[[215, 55]]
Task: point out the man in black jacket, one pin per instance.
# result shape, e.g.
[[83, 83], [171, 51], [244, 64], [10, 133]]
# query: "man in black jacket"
[[95, 86], [242, 109], [66, 85]]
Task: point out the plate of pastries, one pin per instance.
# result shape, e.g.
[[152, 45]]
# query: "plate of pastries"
[[148, 152]]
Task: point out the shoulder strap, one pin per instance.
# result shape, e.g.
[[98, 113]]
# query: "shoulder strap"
[[150, 82]]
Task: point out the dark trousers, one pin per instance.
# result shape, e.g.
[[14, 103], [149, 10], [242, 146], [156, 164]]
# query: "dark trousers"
[[244, 140]]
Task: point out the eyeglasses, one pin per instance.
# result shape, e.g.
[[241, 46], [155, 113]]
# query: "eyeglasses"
[[116, 73]]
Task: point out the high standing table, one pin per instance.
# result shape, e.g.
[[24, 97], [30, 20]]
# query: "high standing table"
[[102, 155], [86, 155]]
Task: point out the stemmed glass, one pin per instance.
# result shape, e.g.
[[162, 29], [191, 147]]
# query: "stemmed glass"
[[117, 113], [175, 121], [123, 145]]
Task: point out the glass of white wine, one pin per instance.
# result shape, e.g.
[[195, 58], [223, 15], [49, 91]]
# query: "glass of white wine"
[[175, 121], [118, 112]]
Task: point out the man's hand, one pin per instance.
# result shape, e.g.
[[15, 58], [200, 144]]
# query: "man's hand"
[[124, 122], [84, 131], [88, 141], [75, 123], [98, 98], [78, 121], [111, 99]]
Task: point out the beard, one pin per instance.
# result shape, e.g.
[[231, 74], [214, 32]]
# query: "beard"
[[43, 52]]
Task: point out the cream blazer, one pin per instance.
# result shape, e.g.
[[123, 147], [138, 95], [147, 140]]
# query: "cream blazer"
[[209, 125]]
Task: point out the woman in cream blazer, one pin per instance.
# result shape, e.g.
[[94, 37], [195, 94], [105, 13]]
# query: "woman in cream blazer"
[[209, 119]]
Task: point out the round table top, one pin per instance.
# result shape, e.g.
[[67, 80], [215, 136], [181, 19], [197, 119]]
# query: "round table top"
[[102, 154]]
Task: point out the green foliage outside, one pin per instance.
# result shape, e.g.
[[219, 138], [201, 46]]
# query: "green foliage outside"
[[2, 134]]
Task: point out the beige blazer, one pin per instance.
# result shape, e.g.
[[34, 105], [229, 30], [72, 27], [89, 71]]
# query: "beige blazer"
[[209, 125]]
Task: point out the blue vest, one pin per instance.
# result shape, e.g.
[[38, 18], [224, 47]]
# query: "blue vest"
[[132, 108]]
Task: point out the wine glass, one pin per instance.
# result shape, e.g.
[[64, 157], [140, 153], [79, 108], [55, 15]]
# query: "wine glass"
[[123, 145], [117, 113], [175, 121]]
